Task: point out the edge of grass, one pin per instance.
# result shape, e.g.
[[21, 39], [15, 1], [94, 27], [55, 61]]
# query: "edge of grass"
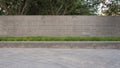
[[49, 38]]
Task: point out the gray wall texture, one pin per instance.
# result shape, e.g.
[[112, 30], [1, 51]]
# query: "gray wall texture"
[[59, 26]]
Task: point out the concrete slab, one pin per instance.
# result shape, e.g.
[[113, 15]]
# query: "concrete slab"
[[59, 58]]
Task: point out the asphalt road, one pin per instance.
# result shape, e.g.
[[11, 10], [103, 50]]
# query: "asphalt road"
[[59, 58]]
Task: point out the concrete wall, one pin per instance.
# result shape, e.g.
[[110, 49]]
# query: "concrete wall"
[[59, 26]]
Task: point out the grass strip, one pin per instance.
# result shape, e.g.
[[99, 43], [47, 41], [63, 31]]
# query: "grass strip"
[[59, 38]]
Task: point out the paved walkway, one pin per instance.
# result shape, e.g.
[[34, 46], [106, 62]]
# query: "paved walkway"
[[59, 58]]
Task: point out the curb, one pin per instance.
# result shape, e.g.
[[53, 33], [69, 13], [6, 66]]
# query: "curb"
[[61, 44]]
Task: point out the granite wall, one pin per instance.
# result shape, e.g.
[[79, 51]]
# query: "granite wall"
[[59, 26]]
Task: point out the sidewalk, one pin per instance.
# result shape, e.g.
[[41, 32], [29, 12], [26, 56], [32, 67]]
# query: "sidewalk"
[[59, 58]]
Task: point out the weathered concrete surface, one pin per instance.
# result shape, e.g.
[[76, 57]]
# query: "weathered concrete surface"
[[59, 58], [59, 26], [61, 44]]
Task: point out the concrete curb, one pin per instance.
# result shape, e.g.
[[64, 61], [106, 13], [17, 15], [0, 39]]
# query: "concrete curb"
[[61, 44]]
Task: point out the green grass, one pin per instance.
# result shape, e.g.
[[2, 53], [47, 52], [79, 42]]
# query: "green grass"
[[59, 38]]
